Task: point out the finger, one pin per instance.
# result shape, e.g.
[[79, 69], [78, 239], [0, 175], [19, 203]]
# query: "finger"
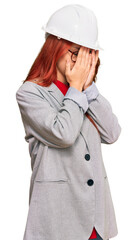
[[92, 69], [83, 57], [94, 61], [91, 56], [89, 60], [87, 57], [97, 55], [79, 57]]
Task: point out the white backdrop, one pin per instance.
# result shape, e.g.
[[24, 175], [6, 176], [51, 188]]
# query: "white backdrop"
[[21, 40]]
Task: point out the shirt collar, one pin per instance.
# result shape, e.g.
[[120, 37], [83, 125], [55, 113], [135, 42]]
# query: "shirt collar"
[[62, 86]]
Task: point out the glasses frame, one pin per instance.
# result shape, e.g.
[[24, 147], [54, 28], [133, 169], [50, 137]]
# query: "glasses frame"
[[72, 54], [76, 52]]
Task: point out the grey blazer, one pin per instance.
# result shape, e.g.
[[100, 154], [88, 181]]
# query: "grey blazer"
[[69, 188]]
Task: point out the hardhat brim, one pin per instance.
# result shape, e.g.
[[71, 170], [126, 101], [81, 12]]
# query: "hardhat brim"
[[97, 47]]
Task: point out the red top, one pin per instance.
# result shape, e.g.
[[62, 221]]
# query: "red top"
[[64, 88]]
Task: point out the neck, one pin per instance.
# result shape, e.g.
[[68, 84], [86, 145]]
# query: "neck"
[[62, 78]]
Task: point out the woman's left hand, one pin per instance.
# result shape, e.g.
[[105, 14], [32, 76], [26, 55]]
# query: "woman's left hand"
[[92, 65]]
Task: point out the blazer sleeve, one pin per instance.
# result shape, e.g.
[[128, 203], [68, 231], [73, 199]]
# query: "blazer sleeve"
[[58, 129], [91, 92], [101, 112]]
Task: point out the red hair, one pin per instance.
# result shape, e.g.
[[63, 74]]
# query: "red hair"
[[44, 66]]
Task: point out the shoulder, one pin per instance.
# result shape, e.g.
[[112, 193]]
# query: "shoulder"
[[31, 87], [28, 85]]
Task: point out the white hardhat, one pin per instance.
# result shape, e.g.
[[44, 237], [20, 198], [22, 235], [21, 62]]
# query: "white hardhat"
[[75, 23]]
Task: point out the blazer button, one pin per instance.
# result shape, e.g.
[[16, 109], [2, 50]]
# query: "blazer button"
[[90, 182], [87, 157]]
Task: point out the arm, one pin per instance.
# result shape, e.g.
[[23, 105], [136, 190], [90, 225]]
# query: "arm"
[[53, 128], [101, 112], [91, 92]]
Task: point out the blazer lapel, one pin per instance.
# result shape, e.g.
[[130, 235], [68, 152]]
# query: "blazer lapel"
[[55, 93]]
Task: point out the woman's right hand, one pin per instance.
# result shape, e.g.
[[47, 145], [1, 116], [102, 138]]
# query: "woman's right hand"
[[79, 73]]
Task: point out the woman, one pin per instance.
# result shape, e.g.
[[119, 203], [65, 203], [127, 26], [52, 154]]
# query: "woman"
[[65, 120]]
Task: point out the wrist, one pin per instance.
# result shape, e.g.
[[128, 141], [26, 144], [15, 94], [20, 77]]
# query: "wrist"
[[85, 87], [78, 87]]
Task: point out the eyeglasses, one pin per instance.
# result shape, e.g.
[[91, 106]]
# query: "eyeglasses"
[[74, 55]]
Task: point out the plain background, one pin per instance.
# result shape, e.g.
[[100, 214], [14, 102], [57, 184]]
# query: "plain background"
[[21, 40]]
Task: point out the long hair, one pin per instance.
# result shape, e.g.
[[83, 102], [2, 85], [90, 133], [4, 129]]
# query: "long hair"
[[44, 67]]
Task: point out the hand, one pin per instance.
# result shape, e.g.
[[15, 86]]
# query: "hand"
[[94, 59], [79, 73]]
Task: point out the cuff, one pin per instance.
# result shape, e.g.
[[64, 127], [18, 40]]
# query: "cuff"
[[78, 97], [91, 92]]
